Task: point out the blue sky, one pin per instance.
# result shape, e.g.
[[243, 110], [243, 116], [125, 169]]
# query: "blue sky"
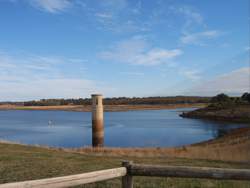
[[72, 48]]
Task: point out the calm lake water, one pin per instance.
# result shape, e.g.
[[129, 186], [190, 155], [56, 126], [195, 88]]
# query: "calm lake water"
[[152, 128]]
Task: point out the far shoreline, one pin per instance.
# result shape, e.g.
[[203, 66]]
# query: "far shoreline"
[[107, 108]]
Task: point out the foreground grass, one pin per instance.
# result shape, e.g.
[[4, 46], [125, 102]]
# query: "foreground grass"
[[19, 163]]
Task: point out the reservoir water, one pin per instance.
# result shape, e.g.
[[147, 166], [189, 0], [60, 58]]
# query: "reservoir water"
[[149, 128]]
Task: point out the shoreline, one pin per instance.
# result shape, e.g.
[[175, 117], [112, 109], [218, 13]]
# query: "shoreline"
[[237, 114], [107, 108], [233, 146]]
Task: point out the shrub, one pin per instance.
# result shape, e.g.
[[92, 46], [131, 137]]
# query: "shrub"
[[246, 97], [221, 98]]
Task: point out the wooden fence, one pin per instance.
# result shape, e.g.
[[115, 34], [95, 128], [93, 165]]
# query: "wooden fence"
[[128, 170]]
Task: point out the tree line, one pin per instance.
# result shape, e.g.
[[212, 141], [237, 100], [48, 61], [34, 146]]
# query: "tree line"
[[220, 99], [121, 101], [223, 98]]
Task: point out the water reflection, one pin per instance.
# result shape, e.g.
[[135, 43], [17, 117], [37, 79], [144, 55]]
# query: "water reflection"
[[153, 128]]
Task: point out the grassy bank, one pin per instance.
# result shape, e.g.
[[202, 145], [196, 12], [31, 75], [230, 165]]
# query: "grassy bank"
[[108, 108], [18, 163]]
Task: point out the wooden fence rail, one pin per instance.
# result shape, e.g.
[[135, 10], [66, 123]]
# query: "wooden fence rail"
[[190, 172], [128, 170], [70, 181]]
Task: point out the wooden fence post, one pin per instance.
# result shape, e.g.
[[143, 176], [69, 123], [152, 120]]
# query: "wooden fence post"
[[127, 181]]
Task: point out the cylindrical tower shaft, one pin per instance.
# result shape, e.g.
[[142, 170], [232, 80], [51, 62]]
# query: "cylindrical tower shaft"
[[97, 121]]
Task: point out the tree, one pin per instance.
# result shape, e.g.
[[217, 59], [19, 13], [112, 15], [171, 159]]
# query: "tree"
[[220, 98], [246, 97]]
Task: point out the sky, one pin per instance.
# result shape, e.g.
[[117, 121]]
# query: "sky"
[[132, 48]]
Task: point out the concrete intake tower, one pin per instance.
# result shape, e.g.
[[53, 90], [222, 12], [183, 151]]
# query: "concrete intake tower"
[[97, 121]]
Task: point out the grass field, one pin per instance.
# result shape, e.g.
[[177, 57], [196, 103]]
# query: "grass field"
[[18, 163]]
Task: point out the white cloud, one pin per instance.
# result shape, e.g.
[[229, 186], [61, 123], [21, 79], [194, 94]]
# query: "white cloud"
[[116, 16], [198, 38], [138, 52], [52, 6], [234, 82], [192, 75], [121, 16], [46, 88], [191, 16], [28, 77], [23, 66], [156, 56], [104, 15]]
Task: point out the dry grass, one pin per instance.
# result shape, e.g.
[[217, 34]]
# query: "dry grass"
[[19, 163], [231, 147]]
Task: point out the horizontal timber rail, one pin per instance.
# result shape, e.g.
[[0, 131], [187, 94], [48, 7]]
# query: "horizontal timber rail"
[[190, 172], [128, 170], [69, 181]]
